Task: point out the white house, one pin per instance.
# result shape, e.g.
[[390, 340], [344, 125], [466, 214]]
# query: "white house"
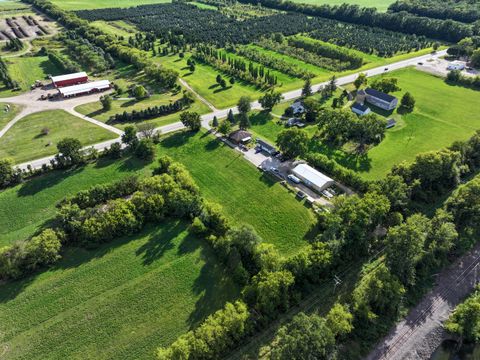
[[360, 109], [312, 178]]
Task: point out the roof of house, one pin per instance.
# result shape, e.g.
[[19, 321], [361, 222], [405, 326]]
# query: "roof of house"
[[380, 95], [360, 107], [83, 88], [313, 176], [266, 145], [240, 135], [391, 123], [297, 106], [69, 76]]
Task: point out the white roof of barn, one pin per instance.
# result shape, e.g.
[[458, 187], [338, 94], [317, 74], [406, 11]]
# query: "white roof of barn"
[[313, 176], [83, 88], [69, 76]]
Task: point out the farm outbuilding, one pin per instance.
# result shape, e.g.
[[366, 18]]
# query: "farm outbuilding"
[[84, 89], [381, 99], [69, 79], [314, 179]]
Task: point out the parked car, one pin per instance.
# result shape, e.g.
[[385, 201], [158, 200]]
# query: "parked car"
[[294, 179], [327, 194], [301, 195], [275, 170]]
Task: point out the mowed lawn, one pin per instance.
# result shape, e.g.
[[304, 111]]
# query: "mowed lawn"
[[26, 69], [25, 141], [95, 110], [7, 116], [222, 174], [247, 195], [99, 4], [120, 301], [443, 114]]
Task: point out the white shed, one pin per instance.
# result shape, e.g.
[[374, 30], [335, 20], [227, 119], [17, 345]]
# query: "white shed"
[[314, 179]]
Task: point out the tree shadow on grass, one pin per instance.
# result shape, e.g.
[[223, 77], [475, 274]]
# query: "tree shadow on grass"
[[213, 144], [215, 286], [222, 89], [50, 179], [161, 241], [261, 118], [177, 139]]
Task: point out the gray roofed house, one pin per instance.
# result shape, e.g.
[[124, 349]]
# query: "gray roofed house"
[[240, 136], [264, 146], [381, 99], [360, 109]]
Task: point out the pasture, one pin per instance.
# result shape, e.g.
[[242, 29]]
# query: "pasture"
[[119, 301], [6, 116], [36, 135]]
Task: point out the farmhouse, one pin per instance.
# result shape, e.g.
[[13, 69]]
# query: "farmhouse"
[[83, 89], [312, 178], [297, 108], [360, 109], [240, 136], [69, 79], [380, 99], [263, 146]]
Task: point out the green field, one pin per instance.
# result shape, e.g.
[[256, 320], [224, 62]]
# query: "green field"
[[8, 5], [381, 5], [119, 27], [222, 174], [120, 301], [119, 106], [99, 4], [24, 141], [26, 69], [443, 114], [6, 116]]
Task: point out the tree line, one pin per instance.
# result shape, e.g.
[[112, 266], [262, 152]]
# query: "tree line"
[[235, 66], [448, 30], [5, 76], [461, 10]]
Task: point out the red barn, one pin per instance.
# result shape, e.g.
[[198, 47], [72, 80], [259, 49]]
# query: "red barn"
[[69, 79]]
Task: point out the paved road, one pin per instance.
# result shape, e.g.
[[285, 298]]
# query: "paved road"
[[31, 103], [421, 332]]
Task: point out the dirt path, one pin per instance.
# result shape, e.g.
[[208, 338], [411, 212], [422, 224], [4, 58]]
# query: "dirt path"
[[201, 98], [421, 332]]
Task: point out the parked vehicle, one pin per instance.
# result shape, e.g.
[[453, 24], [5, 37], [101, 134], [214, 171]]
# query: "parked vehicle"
[[301, 195], [294, 179], [327, 194]]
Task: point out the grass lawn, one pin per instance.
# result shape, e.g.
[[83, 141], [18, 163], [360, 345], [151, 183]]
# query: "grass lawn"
[[443, 114], [26, 69], [6, 116], [247, 195], [222, 174], [99, 4], [120, 301], [7, 5], [24, 140], [94, 109], [119, 27], [381, 5]]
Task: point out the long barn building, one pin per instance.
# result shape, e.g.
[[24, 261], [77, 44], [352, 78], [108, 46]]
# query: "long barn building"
[[69, 79]]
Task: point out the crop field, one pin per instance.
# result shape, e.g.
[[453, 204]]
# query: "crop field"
[[119, 301], [26, 141], [432, 125], [95, 110]]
